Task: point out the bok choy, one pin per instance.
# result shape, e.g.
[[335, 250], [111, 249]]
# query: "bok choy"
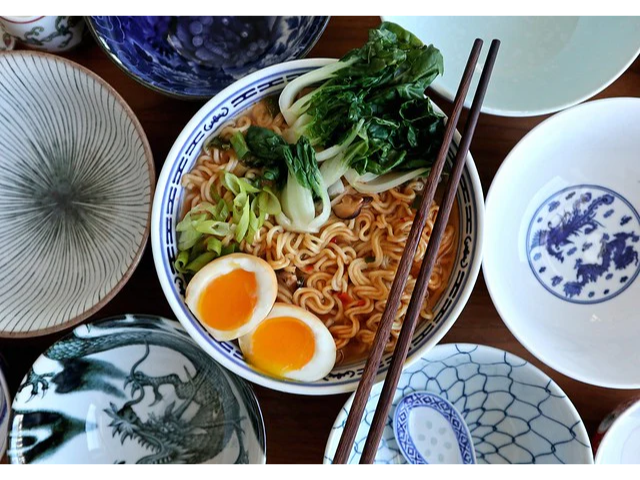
[[370, 112]]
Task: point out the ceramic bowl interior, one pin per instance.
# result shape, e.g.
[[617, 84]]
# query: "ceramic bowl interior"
[[133, 389], [563, 242], [168, 207], [196, 57], [515, 413], [5, 402], [545, 63], [76, 182], [621, 443]]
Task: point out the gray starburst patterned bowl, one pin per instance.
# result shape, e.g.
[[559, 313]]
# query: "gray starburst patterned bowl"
[[133, 389], [76, 180]]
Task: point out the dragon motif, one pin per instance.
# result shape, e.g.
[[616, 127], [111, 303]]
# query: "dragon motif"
[[573, 224], [570, 236], [614, 251], [177, 434]]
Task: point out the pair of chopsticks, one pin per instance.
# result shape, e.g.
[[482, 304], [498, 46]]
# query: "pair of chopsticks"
[[420, 289]]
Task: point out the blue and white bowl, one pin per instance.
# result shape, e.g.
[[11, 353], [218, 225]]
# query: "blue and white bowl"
[[133, 389], [196, 57], [168, 205], [514, 412], [563, 242]]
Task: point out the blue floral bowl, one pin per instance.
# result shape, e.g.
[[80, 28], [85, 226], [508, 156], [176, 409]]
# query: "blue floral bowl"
[[196, 57]]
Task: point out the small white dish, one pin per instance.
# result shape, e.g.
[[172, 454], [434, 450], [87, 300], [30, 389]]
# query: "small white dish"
[[545, 64], [429, 429], [515, 413], [621, 443], [562, 253]]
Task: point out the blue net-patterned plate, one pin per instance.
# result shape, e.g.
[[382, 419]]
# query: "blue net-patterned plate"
[[515, 413], [196, 57]]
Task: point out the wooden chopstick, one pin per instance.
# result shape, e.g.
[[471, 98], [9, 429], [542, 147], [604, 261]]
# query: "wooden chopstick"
[[420, 289], [400, 280]]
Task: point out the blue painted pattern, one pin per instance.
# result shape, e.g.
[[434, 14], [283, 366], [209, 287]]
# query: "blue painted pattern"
[[403, 432], [171, 206], [515, 413], [199, 56], [583, 243]]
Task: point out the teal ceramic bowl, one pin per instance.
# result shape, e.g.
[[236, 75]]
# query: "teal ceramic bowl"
[[545, 64]]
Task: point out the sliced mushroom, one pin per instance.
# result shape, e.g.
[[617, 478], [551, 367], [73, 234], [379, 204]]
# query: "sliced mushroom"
[[288, 278], [292, 280], [350, 206]]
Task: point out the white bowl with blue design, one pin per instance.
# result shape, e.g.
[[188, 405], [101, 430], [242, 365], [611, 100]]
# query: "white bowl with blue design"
[[563, 242], [168, 205], [514, 412], [196, 57]]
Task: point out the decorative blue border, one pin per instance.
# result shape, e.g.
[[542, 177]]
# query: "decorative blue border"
[[170, 204], [527, 246], [444, 408]]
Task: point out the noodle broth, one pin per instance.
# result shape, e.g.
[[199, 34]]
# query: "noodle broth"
[[343, 273]]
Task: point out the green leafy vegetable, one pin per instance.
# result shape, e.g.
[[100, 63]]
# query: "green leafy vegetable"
[[371, 107], [212, 230], [239, 145]]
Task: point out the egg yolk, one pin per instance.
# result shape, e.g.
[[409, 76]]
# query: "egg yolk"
[[281, 344], [229, 300]]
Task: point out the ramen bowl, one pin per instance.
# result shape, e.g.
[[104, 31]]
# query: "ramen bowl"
[[168, 205], [196, 57], [545, 64], [562, 252]]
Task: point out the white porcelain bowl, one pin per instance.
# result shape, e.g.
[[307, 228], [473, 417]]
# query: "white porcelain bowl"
[[168, 205], [561, 260], [621, 443], [545, 64]]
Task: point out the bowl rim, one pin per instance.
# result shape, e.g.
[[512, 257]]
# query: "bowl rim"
[[174, 323], [517, 113], [611, 431], [181, 96], [308, 388], [475, 347], [148, 154], [492, 288]]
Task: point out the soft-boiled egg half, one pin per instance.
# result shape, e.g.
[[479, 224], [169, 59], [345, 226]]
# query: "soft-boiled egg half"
[[290, 343], [231, 295]]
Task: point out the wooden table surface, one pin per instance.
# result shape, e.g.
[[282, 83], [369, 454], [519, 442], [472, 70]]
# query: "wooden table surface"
[[298, 426]]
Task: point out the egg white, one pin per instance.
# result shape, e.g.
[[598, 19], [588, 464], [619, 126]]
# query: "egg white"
[[324, 356], [267, 290]]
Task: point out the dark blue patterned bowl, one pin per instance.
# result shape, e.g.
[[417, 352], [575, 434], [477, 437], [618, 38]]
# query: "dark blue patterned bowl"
[[196, 57]]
